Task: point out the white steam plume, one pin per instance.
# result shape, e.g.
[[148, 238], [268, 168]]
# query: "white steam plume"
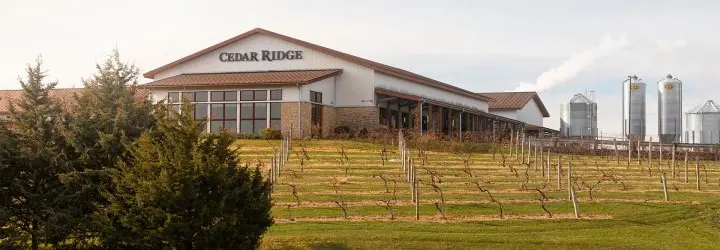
[[574, 65]]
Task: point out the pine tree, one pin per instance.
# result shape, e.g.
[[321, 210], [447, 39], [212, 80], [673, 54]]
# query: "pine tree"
[[108, 114], [183, 189], [36, 203]]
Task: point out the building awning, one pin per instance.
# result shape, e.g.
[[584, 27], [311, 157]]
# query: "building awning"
[[244, 78], [410, 97]]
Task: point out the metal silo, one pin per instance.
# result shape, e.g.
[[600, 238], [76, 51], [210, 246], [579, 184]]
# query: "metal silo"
[[669, 109], [633, 108], [703, 124], [578, 117]]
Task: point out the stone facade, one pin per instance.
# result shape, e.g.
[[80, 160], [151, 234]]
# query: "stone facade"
[[329, 121], [355, 118], [358, 118], [289, 117]]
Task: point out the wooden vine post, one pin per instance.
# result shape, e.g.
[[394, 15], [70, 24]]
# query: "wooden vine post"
[[664, 183], [522, 148], [571, 192], [517, 143], [548, 166], [638, 153], [629, 152], [661, 156], [697, 172], [650, 153], [559, 173], [617, 153], [536, 157], [686, 166], [674, 163], [569, 180]]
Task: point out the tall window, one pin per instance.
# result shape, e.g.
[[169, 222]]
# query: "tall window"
[[316, 109], [223, 116], [315, 97], [275, 115], [253, 117], [226, 110]]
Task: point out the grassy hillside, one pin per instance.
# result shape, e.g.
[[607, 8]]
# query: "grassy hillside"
[[627, 209]]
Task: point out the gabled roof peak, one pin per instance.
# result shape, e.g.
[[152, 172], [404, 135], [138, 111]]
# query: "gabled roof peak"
[[378, 67]]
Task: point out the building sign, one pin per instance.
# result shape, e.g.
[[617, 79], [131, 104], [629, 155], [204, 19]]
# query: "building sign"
[[669, 86], [263, 55], [634, 87]]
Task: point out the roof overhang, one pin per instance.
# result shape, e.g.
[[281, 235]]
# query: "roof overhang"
[[257, 78], [442, 104], [378, 67]]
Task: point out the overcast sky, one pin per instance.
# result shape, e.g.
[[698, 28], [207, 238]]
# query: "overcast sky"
[[556, 47]]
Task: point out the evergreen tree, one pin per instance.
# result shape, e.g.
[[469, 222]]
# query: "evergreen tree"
[[183, 189], [107, 114], [35, 200]]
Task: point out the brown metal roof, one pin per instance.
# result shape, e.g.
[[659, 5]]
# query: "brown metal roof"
[[379, 67], [65, 97], [245, 78], [514, 101]]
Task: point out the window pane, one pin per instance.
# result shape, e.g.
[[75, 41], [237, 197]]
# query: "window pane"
[[275, 124], [230, 95], [246, 95], [230, 111], [201, 96], [216, 126], [318, 99], [231, 126], [276, 94], [175, 108], [274, 110], [260, 110], [246, 127], [260, 95], [246, 110], [173, 97], [201, 111], [259, 126], [217, 96], [188, 96], [313, 114], [216, 111]]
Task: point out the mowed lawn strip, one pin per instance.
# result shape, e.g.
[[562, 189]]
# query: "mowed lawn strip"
[[626, 212]]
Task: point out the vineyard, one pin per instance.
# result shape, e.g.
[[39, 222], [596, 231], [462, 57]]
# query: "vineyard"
[[344, 194]]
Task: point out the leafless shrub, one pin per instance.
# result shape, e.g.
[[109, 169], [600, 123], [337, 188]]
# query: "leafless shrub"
[[385, 181], [465, 158], [484, 190], [436, 188], [542, 199], [290, 213], [388, 207], [442, 213], [335, 183], [383, 154], [294, 192], [342, 205]]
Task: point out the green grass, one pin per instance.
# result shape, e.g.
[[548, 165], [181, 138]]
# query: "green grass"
[[628, 213]]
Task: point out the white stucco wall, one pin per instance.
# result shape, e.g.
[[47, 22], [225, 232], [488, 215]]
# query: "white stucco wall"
[[427, 92], [512, 114], [325, 86], [531, 114], [353, 85]]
